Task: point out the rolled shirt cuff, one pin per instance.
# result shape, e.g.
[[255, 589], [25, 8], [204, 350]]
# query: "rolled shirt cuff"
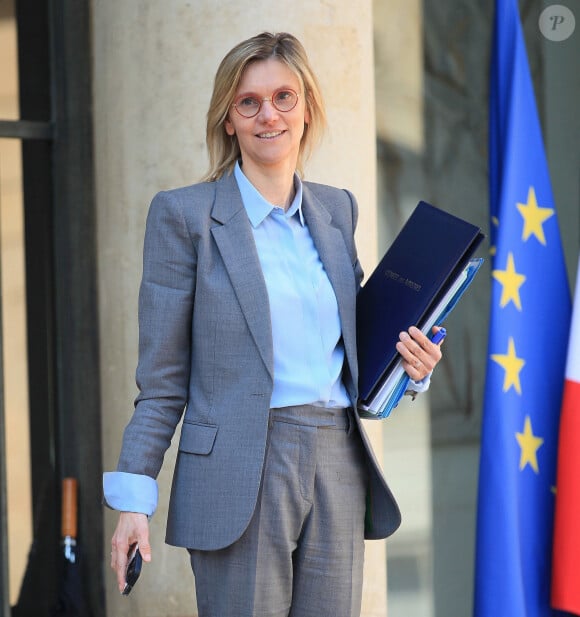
[[130, 492], [419, 386]]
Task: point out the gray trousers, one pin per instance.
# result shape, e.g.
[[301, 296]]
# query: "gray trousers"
[[302, 553]]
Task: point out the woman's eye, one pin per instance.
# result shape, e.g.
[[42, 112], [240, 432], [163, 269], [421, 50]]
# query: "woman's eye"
[[284, 95], [248, 101]]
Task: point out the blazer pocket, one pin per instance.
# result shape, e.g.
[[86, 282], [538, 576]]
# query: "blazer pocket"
[[197, 438]]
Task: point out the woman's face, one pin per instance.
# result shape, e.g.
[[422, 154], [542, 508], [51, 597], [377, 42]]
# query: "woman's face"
[[270, 140]]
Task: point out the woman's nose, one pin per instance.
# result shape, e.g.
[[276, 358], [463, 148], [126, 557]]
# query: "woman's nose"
[[267, 110]]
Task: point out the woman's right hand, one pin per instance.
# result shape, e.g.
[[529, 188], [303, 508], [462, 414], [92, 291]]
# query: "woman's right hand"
[[132, 528]]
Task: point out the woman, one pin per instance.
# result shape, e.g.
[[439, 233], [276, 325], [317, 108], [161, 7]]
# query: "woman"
[[247, 321]]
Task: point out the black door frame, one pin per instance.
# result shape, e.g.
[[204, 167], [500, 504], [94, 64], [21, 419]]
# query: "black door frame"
[[55, 126]]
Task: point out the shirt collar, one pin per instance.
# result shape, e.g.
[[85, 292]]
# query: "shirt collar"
[[259, 208]]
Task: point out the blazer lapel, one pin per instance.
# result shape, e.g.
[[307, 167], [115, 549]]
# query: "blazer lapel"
[[335, 258], [237, 247]]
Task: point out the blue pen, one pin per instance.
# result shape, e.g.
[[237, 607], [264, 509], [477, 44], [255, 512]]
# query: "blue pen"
[[439, 336]]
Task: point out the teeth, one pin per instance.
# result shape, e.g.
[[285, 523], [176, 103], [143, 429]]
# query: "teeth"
[[268, 135]]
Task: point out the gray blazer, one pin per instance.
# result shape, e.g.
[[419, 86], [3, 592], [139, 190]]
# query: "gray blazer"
[[205, 345]]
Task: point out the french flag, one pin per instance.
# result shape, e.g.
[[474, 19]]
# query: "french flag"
[[566, 551]]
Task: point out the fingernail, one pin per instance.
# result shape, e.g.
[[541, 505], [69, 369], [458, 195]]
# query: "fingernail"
[[404, 336]]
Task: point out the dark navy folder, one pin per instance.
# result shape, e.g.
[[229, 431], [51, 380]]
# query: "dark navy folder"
[[431, 250]]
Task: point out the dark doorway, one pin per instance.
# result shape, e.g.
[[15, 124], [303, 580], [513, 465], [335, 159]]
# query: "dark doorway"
[[52, 128]]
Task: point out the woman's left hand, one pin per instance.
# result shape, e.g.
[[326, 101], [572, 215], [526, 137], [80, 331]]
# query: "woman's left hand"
[[420, 355]]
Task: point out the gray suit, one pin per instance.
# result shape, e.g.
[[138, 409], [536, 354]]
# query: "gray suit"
[[206, 345]]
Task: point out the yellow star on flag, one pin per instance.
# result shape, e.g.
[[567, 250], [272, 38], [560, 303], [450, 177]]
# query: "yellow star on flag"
[[512, 366], [534, 217], [529, 445], [511, 282]]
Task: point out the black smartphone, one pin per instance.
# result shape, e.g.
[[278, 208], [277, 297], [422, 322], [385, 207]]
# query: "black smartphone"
[[133, 569]]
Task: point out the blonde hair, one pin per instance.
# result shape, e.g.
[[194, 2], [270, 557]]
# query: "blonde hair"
[[224, 149]]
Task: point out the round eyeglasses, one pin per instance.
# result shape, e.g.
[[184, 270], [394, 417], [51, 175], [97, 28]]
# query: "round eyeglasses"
[[248, 105]]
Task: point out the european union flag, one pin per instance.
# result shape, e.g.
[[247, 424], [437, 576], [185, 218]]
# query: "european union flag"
[[530, 313]]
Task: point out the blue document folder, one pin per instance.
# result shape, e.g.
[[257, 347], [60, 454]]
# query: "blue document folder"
[[418, 282]]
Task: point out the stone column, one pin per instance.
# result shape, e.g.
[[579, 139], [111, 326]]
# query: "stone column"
[[153, 72]]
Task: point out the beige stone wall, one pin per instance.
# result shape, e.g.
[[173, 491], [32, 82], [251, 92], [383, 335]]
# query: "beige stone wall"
[[153, 70], [398, 67], [16, 448]]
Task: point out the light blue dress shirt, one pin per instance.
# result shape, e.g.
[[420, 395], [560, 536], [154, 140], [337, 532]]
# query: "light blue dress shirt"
[[306, 329]]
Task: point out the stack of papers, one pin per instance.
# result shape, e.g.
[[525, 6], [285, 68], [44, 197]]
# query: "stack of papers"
[[396, 381], [418, 282]]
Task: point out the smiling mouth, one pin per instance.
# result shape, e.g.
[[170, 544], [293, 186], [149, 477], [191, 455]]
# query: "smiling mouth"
[[270, 135]]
